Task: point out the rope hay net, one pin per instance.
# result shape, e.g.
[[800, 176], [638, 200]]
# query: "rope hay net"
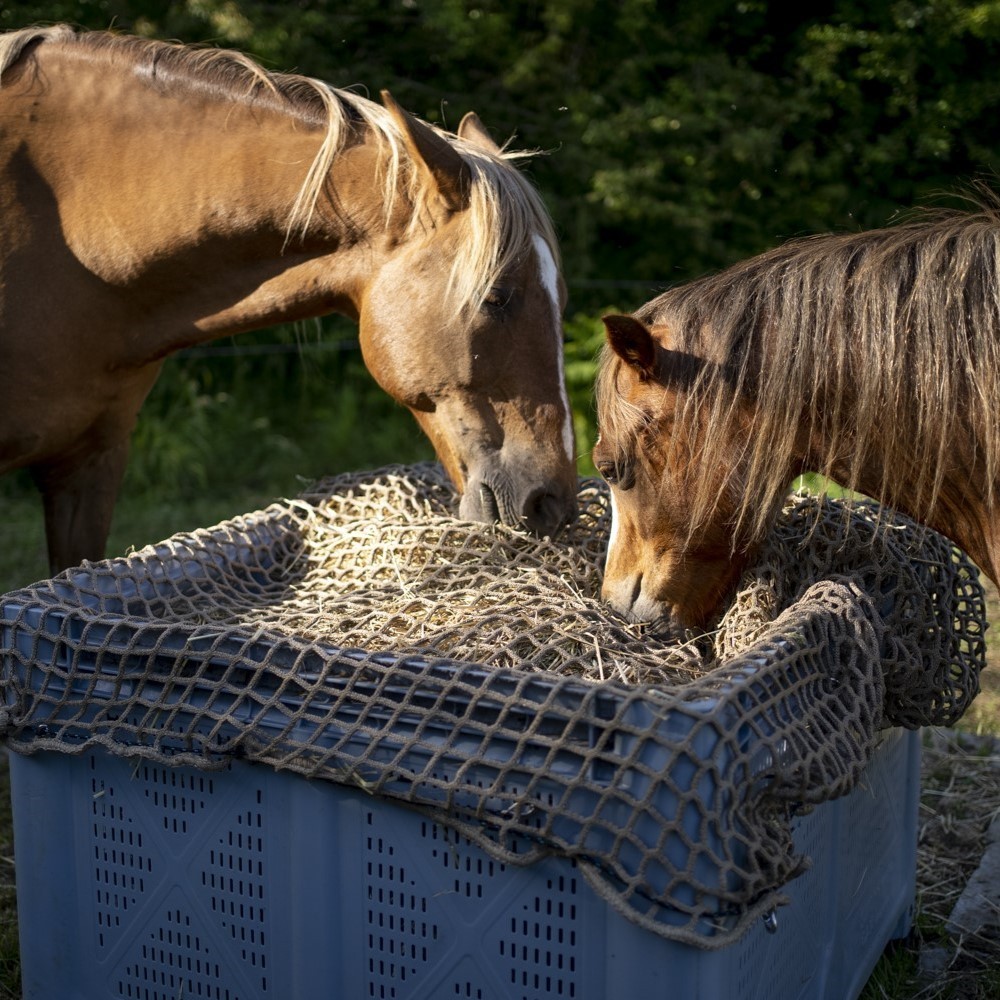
[[362, 634]]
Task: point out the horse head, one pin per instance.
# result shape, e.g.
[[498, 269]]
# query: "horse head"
[[677, 546], [479, 366]]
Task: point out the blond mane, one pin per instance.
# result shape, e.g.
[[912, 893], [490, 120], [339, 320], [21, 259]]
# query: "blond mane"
[[505, 210], [885, 344]]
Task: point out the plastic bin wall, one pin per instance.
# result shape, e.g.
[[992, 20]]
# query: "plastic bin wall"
[[147, 882]]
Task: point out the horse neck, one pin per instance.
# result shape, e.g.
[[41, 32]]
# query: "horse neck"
[[181, 200], [959, 509]]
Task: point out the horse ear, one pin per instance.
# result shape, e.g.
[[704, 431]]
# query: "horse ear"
[[631, 340], [433, 153], [473, 130]]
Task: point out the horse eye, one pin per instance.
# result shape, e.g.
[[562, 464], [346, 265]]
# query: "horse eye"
[[616, 474], [497, 297]]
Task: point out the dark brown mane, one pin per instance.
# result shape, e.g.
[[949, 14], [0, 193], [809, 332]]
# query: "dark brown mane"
[[884, 342]]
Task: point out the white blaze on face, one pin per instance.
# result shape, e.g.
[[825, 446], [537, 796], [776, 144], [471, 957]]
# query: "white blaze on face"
[[613, 533], [550, 282]]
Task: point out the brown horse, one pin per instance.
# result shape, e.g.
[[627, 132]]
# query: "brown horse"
[[156, 196], [872, 358]]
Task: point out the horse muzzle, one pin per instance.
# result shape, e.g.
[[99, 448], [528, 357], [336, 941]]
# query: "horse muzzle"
[[539, 507], [625, 595]]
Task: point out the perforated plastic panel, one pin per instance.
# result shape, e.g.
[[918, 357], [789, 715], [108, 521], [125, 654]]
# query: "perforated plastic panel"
[[527, 932], [143, 831], [146, 882]]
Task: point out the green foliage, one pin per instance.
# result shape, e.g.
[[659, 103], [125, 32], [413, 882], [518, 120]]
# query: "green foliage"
[[278, 409], [584, 337]]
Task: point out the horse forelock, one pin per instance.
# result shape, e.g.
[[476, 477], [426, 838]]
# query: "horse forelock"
[[883, 345], [505, 216], [505, 213]]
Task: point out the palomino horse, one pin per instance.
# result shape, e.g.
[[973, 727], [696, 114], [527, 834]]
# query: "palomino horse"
[[872, 358], [156, 196]]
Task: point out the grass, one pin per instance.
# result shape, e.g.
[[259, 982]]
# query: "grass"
[[960, 795]]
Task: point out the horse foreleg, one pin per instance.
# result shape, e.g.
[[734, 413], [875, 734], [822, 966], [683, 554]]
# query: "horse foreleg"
[[79, 494]]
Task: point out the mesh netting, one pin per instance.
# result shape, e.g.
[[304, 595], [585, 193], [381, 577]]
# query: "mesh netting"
[[364, 635]]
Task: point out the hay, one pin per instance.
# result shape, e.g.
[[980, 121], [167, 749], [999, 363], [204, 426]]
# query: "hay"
[[384, 564]]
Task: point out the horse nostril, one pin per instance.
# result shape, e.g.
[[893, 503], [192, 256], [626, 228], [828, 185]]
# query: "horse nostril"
[[491, 508], [545, 513]]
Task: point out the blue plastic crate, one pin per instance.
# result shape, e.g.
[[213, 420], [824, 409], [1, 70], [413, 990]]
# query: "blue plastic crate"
[[148, 882], [112, 678]]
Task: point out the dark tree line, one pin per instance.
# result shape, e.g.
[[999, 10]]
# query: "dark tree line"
[[678, 137]]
